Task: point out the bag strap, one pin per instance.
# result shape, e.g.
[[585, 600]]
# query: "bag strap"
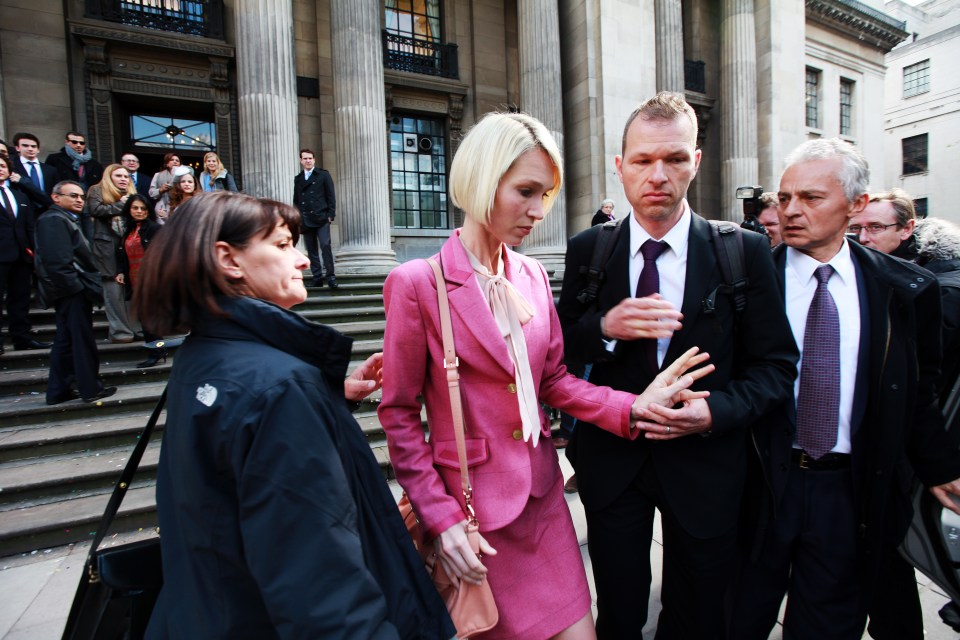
[[126, 477], [728, 244], [451, 364], [602, 248]]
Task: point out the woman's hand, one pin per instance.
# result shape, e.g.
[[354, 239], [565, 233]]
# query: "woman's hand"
[[118, 278], [459, 561], [671, 385], [365, 379], [14, 177]]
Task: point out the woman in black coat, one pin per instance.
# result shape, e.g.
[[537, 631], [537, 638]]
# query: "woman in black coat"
[[276, 521]]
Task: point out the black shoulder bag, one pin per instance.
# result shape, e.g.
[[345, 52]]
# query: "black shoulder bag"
[[119, 585]]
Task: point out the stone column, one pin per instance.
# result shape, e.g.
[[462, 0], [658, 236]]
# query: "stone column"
[[541, 96], [362, 183], [669, 46], [267, 97], [738, 97]]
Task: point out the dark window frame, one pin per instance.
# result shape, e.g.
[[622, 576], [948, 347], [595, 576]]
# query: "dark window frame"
[[847, 88], [812, 97], [915, 154], [418, 176]]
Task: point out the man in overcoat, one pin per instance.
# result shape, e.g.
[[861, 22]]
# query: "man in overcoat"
[[832, 500], [314, 196]]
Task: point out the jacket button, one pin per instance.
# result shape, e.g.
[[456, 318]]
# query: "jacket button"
[[893, 387], [512, 388], [517, 434]]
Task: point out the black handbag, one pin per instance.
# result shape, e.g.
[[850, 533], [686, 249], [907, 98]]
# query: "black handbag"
[[119, 585]]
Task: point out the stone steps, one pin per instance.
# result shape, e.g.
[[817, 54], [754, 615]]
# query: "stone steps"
[[58, 464]]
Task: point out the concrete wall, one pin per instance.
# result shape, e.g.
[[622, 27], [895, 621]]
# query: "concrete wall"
[[34, 71], [839, 56], [936, 113]]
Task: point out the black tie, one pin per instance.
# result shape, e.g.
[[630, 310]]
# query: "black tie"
[[649, 283]]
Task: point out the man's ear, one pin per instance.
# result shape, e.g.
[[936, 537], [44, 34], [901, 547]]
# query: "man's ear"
[[226, 256], [858, 205]]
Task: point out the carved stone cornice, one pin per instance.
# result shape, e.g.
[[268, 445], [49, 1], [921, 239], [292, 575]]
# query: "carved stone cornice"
[[858, 21], [95, 55], [148, 37]]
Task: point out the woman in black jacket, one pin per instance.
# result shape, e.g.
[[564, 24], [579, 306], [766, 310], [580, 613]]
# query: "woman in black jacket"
[[140, 225], [276, 520]]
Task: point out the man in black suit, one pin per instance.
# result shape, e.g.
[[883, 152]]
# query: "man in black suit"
[[832, 501], [26, 163], [16, 260], [141, 181], [691, 463], [314, 196]]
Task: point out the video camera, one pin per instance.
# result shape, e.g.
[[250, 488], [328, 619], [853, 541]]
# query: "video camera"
[[751, 208]]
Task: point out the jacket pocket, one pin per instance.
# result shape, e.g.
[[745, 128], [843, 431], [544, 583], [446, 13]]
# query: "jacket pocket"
[[445, 453]]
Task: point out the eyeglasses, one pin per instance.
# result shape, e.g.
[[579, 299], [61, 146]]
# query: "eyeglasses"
[[872, 229], [78, 196], [76, 141]]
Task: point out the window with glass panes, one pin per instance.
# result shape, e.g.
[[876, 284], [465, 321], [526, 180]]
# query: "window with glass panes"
[[418, 19], [846, 107], [914, 154], [813, 98], [920, 207], [418, 165], [916, 78]]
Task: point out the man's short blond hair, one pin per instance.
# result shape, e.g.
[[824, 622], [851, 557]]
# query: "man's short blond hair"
[[666, 105], [902, 204], [488, 151]]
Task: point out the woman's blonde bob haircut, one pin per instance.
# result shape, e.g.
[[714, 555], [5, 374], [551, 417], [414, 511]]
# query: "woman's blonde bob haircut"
[[488, 151]]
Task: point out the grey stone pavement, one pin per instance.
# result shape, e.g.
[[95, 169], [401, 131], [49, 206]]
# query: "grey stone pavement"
[[37, 588]]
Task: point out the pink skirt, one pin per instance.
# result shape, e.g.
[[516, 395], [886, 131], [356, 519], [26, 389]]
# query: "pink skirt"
[[537, 576]]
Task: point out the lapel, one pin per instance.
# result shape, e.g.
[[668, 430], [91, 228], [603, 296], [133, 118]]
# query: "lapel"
[[874, 323], [780, 266], [469, 308], [702, 275], [8, 214]]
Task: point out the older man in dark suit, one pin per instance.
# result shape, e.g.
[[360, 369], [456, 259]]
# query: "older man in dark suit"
[[832, 500], [16, 260], [691, 463]]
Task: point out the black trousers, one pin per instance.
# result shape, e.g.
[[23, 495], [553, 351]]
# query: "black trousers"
[[895, 612], [74, 361], [695, 571], [317, 240], [810, 555], [15, 278]]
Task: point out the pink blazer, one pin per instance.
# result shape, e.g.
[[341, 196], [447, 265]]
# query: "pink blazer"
[[504, 470]]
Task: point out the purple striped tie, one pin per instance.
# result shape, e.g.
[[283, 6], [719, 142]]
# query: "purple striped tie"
[[818, 402], [649, 283]]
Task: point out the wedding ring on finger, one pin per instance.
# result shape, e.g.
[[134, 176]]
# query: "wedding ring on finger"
[[668, 430]]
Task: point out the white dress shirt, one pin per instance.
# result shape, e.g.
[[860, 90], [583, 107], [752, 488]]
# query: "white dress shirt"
[[27, 164], [801, 284], [671, 265]]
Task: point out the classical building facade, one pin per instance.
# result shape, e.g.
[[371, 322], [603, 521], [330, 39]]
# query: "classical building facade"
[[922, 107], [382, 90]]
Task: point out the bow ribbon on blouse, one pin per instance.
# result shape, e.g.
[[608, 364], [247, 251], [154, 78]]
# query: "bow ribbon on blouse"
[[511, 311]]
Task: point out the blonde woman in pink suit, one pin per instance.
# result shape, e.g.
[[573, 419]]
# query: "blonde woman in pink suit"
[[506, 176]]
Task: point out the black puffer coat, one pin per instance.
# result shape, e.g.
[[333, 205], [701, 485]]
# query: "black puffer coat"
[[275, 519]]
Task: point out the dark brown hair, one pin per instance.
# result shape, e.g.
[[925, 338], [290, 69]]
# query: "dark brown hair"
[[167, 157], [180, 278]]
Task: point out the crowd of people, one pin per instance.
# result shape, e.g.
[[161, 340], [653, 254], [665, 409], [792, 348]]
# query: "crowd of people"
[[107, 218], [778, 430]]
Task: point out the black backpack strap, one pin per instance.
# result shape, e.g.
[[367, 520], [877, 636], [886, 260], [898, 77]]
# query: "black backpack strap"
[[606, 241], [728, 243]]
